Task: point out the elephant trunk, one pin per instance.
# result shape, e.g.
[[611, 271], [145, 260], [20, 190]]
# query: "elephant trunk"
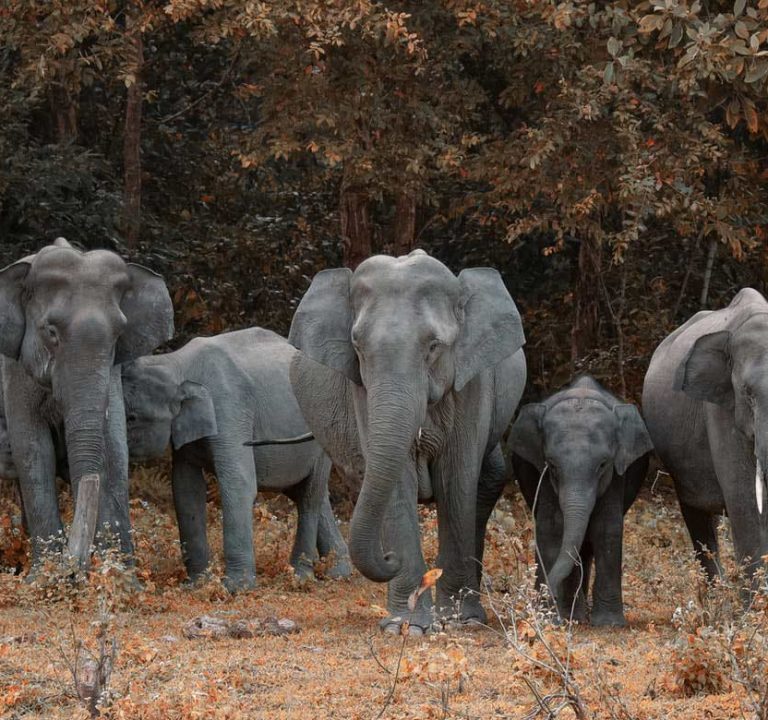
[[82, 388], [576, 505], [394, 414]]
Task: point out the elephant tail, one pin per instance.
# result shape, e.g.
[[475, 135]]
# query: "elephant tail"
[[306, 437]]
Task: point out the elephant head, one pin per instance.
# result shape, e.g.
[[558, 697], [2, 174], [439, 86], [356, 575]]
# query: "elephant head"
[[67, 317], [582, 441], [162, 408], [728, 368], [409, 333]]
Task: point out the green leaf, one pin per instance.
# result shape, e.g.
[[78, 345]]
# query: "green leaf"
[[738, 7], [741, 30], [614, 46], [609, 73]]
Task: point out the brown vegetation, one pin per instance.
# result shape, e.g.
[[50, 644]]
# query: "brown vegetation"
[[686, 653]]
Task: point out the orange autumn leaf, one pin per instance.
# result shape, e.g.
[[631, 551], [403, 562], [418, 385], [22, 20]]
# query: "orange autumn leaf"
[[428, 581]]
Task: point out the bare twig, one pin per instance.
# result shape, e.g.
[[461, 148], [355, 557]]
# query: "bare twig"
[[688, 271], [708, 272]]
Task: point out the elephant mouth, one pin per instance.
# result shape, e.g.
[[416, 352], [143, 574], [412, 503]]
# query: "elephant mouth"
[[431, 435]]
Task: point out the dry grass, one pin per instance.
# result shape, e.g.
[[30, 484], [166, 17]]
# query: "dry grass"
[[338, 665]]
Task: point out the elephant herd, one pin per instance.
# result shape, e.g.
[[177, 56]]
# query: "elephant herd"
[[406, 377]]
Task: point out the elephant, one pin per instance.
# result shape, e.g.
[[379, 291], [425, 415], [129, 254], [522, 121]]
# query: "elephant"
[[67, 320], [705, 399], [207, 399], [407, 376], [580, 457]]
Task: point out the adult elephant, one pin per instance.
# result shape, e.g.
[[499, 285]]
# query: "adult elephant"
[[408, 376], [580, 457], [705, 401], [67, 318]]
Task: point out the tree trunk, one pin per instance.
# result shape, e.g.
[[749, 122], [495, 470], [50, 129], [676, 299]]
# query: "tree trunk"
[[64, 112], [132, 139], [584, 331], [708, 273], [405, 224], [355, 226]]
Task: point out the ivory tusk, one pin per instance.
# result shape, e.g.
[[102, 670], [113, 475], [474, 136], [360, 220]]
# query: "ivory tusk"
[[759, 487]]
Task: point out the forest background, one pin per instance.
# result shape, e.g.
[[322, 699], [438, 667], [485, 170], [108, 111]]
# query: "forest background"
[[609, 158]]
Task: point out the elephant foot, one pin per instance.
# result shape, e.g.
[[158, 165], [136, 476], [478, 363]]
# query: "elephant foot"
[[304, 573], [608, 617], [419, 622], [342, 568], [462, 608], [577, 612], [239, 583]]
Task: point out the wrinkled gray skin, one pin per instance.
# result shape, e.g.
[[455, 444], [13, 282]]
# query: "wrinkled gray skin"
[[408, 376], [596, 452], [67, 319], [705, 400], [209, 398], [7, 466]]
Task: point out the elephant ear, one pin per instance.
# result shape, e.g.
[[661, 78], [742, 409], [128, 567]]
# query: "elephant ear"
[[12, 322], [196, 418], [705, 374], [633, 438], [148, 308], [326, 401], [526, 438], [492, 329], [322, 324]]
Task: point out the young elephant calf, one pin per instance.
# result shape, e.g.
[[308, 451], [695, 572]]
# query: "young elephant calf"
[[580, 457], [208, 399]]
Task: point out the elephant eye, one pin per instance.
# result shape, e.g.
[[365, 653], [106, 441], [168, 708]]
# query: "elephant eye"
[[434, 347], [51, 335]]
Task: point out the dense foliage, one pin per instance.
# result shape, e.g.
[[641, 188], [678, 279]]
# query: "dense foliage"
[[601, 155]]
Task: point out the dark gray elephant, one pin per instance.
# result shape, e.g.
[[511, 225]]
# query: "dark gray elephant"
[[209, 398], [595, 450], [705, 400], [67, 318], [408, 376]]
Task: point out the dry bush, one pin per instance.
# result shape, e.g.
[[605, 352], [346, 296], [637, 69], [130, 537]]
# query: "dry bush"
[[541, 646]]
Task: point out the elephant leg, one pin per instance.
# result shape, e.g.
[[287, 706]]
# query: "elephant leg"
[[733, 456], [189, 495], [304, 553], [455, 480], [236, 473], [606, 534], [576, 586], [114, 508], [329, 540], [702, 527], [401, 530], [35, 458], [493, 476]]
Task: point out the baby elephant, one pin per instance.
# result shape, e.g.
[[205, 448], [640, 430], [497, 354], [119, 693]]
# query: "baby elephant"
[[580, 457], [208, 399]]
